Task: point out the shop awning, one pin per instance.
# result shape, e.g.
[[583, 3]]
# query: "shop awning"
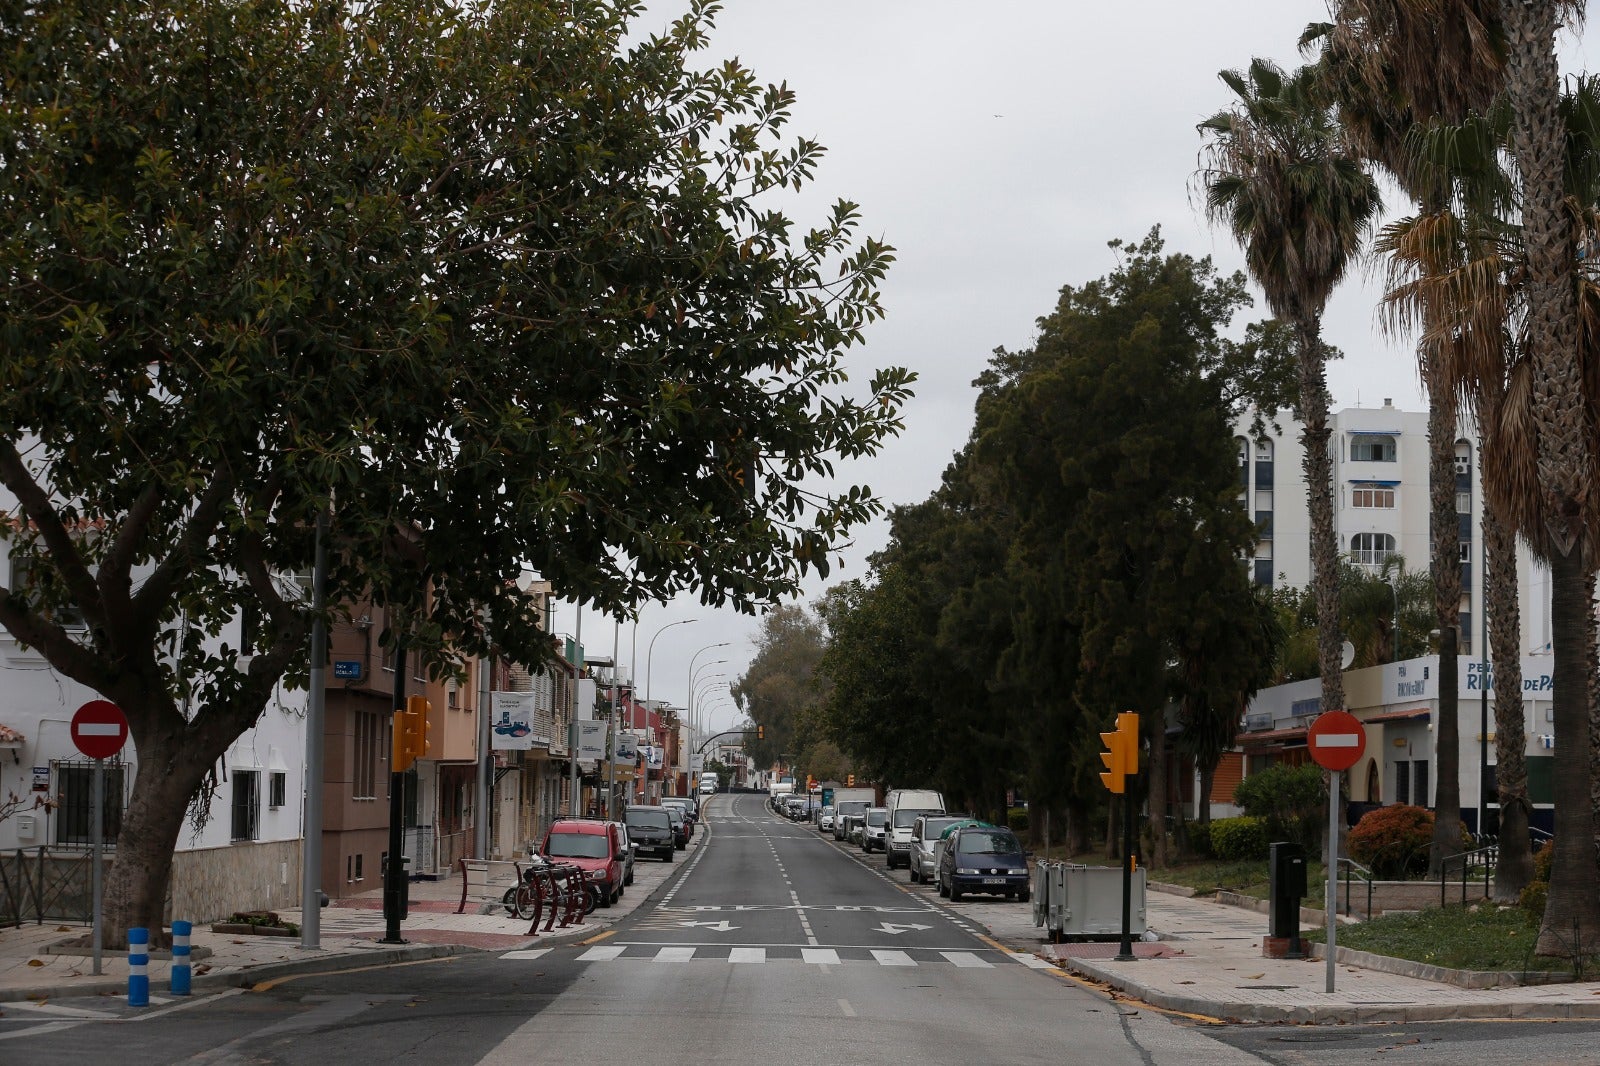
[[1399, 716], [1279, 738]]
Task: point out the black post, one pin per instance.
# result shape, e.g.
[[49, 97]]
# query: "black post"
[[394, 871], [1125, 950]]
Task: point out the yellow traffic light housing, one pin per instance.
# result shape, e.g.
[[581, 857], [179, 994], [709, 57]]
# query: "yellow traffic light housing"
[[411, 733], [1121, 758], [850, 780], [761, 732]]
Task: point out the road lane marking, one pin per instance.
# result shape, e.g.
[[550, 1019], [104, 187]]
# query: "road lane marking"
[[529, 955], [756, 955], [597, 939], [267, 986], [1032, 962], [893, 958], [849, 1011], [966, 960], [602, 954], [821, 956], [675, 954]]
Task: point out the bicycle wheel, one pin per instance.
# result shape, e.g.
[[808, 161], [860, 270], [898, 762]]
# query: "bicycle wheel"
[[527, 901], [509, 901]]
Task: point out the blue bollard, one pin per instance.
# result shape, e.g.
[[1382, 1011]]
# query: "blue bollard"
[[180, 957], [138, 967]]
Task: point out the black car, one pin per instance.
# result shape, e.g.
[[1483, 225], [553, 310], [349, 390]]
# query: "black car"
[[983, 859], [680, 826], [684, 808], [650, 830]]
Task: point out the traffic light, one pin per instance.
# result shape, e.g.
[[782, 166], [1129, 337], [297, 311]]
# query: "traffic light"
[[850, 780], [410, 733], [761, 732], [1122, 758]]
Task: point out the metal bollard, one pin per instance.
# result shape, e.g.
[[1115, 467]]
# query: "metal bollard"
[[138, 967], [180, 957]]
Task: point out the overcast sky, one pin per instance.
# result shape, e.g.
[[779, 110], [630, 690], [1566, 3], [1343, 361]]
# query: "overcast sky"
[[998, 146]]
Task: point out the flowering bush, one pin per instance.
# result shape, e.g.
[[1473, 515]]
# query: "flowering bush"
[[1393, 840]]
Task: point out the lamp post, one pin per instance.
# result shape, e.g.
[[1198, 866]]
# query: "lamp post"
[[1484, 678], [651, 650], [700, 694], [689, 708]]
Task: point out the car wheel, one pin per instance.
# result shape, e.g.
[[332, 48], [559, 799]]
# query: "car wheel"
[[942, 890], [603, 899], [913, 876], [1025, 896], [626, 881], [955, 893], [669, 856], [591, 899]]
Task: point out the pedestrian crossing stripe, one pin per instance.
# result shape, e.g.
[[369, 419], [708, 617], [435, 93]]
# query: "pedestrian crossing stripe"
[[666, 953]]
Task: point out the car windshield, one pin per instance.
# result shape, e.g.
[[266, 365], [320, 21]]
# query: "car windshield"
[[648, 819], [905, 819], [877, 818], [988, 842], [932, 827], [577, 846]]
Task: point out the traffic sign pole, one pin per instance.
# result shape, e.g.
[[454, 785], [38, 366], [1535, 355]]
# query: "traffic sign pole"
[[1337, 740], [96, 814], [1331, 896]]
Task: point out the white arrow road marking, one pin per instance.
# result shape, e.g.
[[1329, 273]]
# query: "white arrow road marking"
[[719, 927], [894, 929]]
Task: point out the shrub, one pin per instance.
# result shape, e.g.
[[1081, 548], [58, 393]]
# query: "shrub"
[[1292, 800], [1240, 839], [1393, 840], [1541, 862], [1017, 820], [1533, 898], [1199, 835]]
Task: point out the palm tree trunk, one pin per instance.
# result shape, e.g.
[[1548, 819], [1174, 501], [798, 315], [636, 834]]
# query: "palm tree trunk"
[[1446, 567], [1317, 467], [1514, 869]]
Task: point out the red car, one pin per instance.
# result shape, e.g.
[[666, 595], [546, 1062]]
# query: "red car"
[[598, 848]]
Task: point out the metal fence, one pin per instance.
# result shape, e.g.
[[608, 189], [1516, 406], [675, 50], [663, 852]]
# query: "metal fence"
[[47, 884]]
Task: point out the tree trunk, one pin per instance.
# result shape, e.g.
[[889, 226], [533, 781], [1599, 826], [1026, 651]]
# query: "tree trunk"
[[1572, 915], [170, 774], [1157, 807], [1208, 777], [1514, 868], [1317, 465], [1446, 567]]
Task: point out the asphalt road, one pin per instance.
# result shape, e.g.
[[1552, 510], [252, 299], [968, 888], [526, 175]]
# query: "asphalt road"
[[770, 946]]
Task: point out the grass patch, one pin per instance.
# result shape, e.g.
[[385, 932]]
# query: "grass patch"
[[1462, 938]]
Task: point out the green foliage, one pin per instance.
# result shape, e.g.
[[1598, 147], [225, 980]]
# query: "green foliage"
[[1533, 898], [1199, 839], [1290, 799], [1240, 839], [1393, 840], [1017, 820], [1543, 859], [504, 277]]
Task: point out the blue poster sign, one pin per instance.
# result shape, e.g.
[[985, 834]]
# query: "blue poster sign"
[[349, 669]]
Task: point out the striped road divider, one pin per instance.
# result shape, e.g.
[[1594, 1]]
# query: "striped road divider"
[[138, 967], [180, 957]]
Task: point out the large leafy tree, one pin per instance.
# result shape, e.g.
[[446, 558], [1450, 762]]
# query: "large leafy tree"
[[482, 274], [1281, 174]]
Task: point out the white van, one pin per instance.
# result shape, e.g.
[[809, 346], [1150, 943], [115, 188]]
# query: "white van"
[[905, 806]]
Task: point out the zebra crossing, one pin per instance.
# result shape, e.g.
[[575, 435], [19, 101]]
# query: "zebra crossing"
[[843, 956]]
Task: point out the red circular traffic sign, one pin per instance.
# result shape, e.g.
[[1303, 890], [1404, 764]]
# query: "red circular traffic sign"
[[99, 729], [1337, 740]]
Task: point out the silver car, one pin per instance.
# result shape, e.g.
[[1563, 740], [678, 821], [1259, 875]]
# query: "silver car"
[[825, 820], [924, 863]]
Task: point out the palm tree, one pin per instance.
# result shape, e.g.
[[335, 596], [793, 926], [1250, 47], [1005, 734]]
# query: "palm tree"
[[1281, 173], [1395, 66]]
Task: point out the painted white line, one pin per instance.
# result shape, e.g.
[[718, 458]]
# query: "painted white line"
[[893, 958], [603, 953], [966, 960], [822, 956], [531, 953], [675, 954], [849, 1011], [756, 955], [1032, 962]]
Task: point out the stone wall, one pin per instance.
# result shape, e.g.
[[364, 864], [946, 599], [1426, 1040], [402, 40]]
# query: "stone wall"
[[212, 883]]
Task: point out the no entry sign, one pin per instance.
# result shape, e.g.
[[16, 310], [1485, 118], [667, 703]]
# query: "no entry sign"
[[99, 729], [1337, 740]]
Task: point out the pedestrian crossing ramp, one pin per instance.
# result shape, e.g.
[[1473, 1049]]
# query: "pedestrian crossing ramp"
[[757, 956]]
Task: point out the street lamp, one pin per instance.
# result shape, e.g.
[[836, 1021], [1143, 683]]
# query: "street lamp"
[[700, 693], [689, 707], [651, 650]]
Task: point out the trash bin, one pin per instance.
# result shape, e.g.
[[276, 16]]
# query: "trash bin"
[[404, 889], [1286, 887], [1041, 892]]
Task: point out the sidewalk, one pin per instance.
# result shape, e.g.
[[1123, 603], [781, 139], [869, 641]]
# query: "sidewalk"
[[1207, 961], [350, 930]]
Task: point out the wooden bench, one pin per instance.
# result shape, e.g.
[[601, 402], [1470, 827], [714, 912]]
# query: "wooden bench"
[[485, 881]]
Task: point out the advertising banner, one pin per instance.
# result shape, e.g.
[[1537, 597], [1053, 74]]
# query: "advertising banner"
[[511, 722], [591, 740], [654, 757], [627, 749]]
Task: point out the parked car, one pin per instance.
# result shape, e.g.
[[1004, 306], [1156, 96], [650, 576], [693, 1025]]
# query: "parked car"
[[650, 829], [903, 805], [855, 824], [874, 829], [983, 859], [687, 812], [925, 832], [680, 826], [825, 819], [595, 847], [630, 850], [841, 814]]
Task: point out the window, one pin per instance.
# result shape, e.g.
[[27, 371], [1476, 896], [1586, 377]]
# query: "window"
[[367, 746], [1372, 448], [246, 805], [1463, 503], [1402, 782], [25, 580], [1463, 462], [1419, 777], [1371, 549], [1372, 496], [277, 788], [75, 782]]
